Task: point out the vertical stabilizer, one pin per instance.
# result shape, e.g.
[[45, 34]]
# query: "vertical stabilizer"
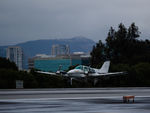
[[105, 67]]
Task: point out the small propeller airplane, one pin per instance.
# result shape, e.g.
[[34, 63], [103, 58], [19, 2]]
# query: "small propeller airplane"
[[82, 71]]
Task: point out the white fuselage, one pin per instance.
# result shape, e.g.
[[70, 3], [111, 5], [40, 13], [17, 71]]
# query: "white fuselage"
[[76, 73], [83, 71]]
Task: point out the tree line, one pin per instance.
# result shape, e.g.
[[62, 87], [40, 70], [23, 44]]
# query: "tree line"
[[127, 53], [122, 46]]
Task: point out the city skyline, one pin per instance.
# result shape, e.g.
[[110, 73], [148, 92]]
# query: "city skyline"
[[26, 20]]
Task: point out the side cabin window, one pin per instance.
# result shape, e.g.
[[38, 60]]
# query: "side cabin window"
[[86, 69], [91, 70]]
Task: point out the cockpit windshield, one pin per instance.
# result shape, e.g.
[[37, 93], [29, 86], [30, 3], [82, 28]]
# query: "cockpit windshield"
[[79, 67], [85, 68]]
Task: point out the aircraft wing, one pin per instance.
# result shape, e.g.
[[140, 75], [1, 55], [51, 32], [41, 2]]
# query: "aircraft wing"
[[48, 73], [107, 74]]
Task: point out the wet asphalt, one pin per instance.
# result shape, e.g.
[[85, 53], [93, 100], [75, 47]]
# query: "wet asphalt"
[[78, 100]]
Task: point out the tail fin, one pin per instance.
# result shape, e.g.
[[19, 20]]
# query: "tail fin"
[[105, 67]]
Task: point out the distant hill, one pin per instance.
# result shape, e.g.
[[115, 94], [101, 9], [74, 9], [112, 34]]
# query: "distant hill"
[[31, 48]]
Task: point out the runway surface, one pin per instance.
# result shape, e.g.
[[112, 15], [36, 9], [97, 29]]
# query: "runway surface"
[[76, 100]]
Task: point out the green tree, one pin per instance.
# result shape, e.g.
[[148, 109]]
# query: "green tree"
[[97, 54], [6, 64], [109, 43], [122, 45], [133, 32]]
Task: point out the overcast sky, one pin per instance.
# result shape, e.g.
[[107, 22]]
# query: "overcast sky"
[[24, 20]]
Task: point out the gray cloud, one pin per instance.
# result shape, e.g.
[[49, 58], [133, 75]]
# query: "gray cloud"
[[23, 20]]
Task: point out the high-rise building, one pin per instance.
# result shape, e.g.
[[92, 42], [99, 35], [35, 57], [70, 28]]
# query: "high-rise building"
[[60, 50], [15, 54]]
